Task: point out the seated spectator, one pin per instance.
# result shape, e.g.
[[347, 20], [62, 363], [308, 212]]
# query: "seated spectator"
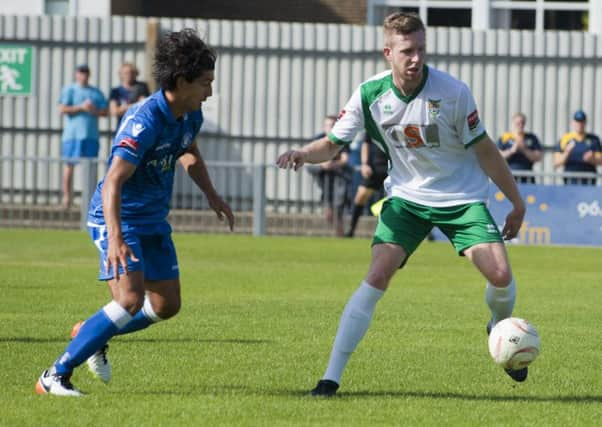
[[579, 151], [520, 149]]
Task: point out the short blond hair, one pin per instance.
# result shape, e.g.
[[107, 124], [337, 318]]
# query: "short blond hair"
[[519, 115], [402, 23], [129, 65]]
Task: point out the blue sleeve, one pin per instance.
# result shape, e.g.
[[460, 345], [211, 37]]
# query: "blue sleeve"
[[66, 97], [136, 135], [114, 94], [144, 91], [101, 101], [596, 145], [500, 144], [536, 143]]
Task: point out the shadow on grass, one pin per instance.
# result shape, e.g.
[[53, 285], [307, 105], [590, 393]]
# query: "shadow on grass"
[[446, 395], [227, 390], [36, 340]]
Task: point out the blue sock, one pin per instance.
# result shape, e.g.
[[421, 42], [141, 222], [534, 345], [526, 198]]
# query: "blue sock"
[[143, 319], [94, 333], [138, 322]]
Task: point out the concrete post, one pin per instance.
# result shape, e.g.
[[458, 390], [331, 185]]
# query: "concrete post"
[[259, 200], [89, 178]]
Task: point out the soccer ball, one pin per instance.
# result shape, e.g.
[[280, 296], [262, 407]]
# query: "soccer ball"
[[513, 343]]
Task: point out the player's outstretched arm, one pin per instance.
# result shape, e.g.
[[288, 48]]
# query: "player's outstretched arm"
[[195, 167], [496, 168], [317, 151], [118, 251]]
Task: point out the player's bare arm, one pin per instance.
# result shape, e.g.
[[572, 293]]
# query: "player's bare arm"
[[195, 167], [496, 168], [118, 251], [317, 151]]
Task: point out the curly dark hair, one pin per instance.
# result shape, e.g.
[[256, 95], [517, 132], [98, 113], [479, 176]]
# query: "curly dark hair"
[[181, 53]]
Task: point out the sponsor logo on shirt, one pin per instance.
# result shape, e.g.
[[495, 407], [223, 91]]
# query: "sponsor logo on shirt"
[[473, 120], [434, 107], [130, 144], [387, 109], [137, 128], [162, 146]]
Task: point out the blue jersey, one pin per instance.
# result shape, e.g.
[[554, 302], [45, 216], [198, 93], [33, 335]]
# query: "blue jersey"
[[575, 163], [518, 161], [151, 138]]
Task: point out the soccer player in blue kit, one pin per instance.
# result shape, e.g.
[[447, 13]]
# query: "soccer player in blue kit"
[[128, 212]]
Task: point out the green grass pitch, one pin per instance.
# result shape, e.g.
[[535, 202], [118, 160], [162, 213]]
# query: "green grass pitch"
[[256, 326]]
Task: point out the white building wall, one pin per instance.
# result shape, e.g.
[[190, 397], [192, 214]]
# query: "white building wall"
[[276, 81], [22, 7], [90, 8]]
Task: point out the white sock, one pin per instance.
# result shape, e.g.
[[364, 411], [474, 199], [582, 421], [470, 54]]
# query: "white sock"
[[500, 300], [352, 327], [118, 315], [149, 313]]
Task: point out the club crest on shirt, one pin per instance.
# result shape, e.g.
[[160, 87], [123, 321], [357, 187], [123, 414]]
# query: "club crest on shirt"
[[186, 140], [341, 114], [473, 120], [434, 107]]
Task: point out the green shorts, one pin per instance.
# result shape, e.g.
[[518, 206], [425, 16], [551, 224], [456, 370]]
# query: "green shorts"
[[407, 224]]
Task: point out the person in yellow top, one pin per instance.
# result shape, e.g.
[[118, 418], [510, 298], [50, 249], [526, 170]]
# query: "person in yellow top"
[[520, 149], [579, 151]]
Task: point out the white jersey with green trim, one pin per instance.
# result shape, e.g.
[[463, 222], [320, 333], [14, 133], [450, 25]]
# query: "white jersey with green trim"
[[426, 136]]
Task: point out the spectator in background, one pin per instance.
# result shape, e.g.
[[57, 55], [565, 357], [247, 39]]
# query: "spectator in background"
[[374, 167], [129, 92], [334, 179], [520, 149], [579, 151], [81, 104]]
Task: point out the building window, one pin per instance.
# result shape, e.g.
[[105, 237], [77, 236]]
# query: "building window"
[[522, 19], [381, 12], [575, 20], [56, 7], [440, 17]]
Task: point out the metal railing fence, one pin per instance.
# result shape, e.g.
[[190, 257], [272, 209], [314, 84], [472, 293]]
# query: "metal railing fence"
[[30, 194]]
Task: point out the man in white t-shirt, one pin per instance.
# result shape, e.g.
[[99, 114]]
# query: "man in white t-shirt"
[[441, 158]]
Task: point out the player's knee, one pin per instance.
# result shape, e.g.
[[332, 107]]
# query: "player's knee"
[[500, 277], [132, 302], [378, 280], [169, 309]]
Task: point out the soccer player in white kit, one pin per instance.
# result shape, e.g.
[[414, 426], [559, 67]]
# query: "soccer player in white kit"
[[441, 157]]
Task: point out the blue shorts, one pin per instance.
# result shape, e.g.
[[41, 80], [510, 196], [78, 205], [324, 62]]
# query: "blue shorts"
[[75, 148], [156, 254]]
